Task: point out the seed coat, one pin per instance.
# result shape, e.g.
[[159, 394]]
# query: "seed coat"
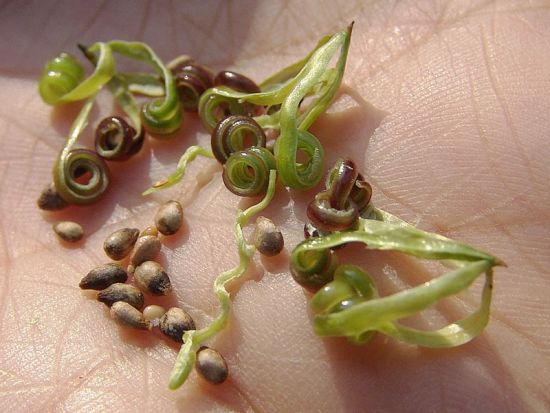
[[211, 365], [50, 200], [169, 218], [145, 249], [120, 243], [128, 316], [68, 231], [267, 238], [151, 278], [175, 322], [103, 276], [121, 292]]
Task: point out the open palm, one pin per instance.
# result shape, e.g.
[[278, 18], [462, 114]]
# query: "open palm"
[[445, 109]]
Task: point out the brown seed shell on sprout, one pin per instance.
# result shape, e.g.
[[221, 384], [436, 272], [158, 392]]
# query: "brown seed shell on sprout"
[[151, 278], [103, 276], [120, 243], [175, 322], [50, 200], [211, 365], [128, 316], [121, 292], [267, 238], [169, 218], [68, 231], [146, 248]]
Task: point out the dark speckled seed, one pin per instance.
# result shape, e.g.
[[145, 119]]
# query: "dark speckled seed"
[[175, 322], [121, 292], [211, 365], [119, 244], [103, 276], [151, 278], [128, 316], [146, 248], [68, 231], [50, 200], [169, 218], [267, 238]]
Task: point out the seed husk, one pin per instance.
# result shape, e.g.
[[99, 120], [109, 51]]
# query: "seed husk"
[[267, 238], [175, 322], [211, 365], [103, 276], [50, 200], [121, 292], [153, 312], [151, 278], [145, 249], [169, 218], [119, 244], [68, 231], [128, 316]]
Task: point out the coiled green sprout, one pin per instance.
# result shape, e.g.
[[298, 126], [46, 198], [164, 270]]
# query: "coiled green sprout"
[[63, 80], [283, 93], [246, 173], [360, 317], [80, 176]]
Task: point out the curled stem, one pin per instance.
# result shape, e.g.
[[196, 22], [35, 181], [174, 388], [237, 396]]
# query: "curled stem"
[[72, 164], [193, 339]]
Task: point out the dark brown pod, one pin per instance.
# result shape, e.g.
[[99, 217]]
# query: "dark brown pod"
[[121, 292], [175, 322], [211, 365], [120, 243], [103, 276], [151, 278], [50, 200]]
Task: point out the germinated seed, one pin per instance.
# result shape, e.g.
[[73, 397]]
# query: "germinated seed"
[[50, 200], [169, 218], [153, 312], [211, 365], [151, 278], [145, 249], [267, 238], [128, 316], [121, 292], [68, 231], [103, 276], [176, 322], [119, 244]]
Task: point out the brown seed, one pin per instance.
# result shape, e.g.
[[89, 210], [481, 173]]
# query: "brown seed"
[[119, 244], [153, 312], [152, 230], [50, 200], [211, 365], [145, 249], [175, 322], [267, 238], [103, 276], [68, 231], [128, 316], [121, 292], [169, 218], [151, 278]]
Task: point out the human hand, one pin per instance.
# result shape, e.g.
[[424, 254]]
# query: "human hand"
[[443, 108]]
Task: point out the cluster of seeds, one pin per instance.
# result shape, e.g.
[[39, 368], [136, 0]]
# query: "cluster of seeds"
[[126, 300]]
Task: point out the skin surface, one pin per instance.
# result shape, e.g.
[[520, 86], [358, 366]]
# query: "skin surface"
[[444, 108]]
